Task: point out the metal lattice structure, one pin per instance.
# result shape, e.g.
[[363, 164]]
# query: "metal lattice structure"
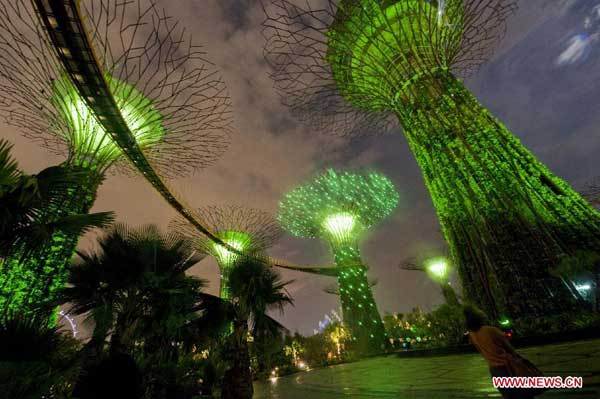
[[63, 36], [339, 207], [298, 51], [248, 230], [350, 66], [103, 82], [128, 58]]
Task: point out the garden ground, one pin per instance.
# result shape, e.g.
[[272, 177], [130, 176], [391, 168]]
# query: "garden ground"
[[443, 377]]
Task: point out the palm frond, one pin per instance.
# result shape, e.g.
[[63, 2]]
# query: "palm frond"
[[33, 236], [9, 168]]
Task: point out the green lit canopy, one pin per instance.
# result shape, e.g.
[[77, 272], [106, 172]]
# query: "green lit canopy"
[[377, 46], [337, 205], [89, 140], [238, 240]]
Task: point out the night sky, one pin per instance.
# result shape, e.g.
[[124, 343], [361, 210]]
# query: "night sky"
[[542, 83]]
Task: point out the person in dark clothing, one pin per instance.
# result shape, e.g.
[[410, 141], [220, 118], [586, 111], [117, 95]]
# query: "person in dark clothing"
[[501, 357]]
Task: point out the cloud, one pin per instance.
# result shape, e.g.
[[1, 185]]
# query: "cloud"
[[577, 48]]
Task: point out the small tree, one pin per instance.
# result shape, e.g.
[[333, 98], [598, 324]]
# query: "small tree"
[[340, 337], [446, 325]]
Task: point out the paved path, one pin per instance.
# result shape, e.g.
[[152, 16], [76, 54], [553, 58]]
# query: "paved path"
[[444, 377]]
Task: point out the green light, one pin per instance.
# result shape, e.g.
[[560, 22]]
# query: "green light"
[[505, 322], [238, 240], [88, 137], [437, 268], [227, 259], [366, 198], [386, 44], [505, 215], [338, 206], [340, 226], [30, 281]]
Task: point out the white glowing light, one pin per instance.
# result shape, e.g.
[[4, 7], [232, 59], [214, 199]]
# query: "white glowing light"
[[332, 317], [340, 225], [583, 287], [437, 268], [440, 12]]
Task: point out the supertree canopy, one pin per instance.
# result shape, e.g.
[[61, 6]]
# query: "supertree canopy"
[[86, 134], [151, 77], [339, 207], [352, 66], [248, 230]]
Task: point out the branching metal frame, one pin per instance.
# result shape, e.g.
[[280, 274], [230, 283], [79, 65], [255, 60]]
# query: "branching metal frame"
[[341, 64], [51, 39], [297, 49], [108, 47], [261, 227]]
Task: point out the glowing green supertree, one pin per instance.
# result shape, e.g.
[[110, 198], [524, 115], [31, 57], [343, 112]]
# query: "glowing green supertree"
[[248, 230], [354, 66], [438, 269], [339, 208], [171, 99]]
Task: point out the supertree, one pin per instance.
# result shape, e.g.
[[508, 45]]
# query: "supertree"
[[148, 88], [438, 269], [339, 208], [354, 67], [248, 230]]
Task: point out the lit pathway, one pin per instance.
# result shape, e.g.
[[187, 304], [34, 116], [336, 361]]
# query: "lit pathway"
[[445, 377]]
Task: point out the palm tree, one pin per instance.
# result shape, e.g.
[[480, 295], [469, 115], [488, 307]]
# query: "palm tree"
[[135, 288], [24, 200], [35, 360], [255, 289]]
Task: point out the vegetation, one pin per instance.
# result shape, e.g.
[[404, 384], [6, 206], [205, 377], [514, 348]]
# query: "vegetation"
[[441, 327], [36, 360], [24, 198], [137, 294], [33, 237], [255, 289]]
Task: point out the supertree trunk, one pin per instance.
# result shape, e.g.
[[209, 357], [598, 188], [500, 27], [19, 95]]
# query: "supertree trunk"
[[224, 283], [359, 310], [506, 217], [449, 294], [29, 281]]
